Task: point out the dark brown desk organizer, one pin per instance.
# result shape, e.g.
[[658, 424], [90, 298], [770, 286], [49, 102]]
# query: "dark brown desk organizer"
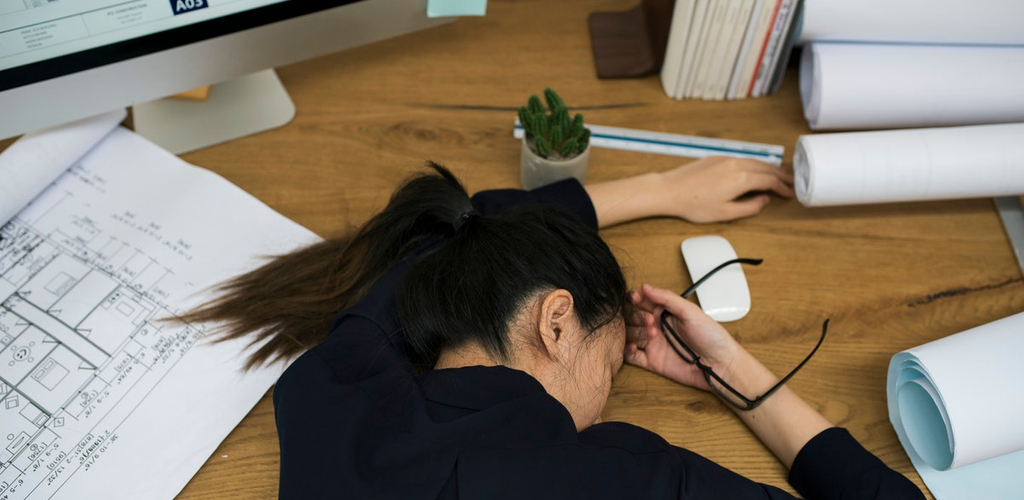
[[631, 43]]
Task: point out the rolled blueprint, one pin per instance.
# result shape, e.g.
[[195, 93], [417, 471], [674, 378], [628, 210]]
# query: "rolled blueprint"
[[857, 86], [909, 165], [921, 21], [956, 405], [38, 158]]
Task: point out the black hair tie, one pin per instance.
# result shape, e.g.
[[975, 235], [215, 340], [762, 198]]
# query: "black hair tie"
[[460, 220]]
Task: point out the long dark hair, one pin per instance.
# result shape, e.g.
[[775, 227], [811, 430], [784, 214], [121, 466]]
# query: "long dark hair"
[[467, 290]]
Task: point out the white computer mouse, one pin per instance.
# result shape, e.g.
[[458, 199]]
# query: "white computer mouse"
[[725, 296]]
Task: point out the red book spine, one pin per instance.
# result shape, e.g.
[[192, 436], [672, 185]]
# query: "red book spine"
[[764, 45]]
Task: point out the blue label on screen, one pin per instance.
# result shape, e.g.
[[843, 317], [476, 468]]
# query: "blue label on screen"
[[183, 6]]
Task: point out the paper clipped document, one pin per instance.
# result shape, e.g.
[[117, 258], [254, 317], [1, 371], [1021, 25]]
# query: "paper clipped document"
[[909, 165], [100, 397], [956, 405], [862, 85], [915, 21]]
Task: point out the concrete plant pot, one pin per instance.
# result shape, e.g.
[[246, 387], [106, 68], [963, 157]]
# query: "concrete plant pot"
[[535, 171]]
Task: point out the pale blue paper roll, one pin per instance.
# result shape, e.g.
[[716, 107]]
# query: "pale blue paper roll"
[[957, 406]]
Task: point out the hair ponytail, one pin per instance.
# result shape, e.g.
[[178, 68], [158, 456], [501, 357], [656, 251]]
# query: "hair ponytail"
[[290, 301]]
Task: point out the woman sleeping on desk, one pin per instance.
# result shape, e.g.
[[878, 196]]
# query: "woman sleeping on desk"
[[521, 316]]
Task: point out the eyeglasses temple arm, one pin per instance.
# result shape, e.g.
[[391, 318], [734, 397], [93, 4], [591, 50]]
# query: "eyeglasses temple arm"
[[693, 287], [665, 330], [757, 401]]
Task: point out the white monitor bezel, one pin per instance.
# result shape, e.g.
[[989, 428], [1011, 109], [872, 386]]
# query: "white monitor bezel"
[[152, 76]]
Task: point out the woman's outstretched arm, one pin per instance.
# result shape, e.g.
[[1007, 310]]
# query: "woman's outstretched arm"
[[784, 422], [825, 462], [711, 189]]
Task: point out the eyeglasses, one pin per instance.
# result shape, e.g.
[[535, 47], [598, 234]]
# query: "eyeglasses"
[[721, 387]]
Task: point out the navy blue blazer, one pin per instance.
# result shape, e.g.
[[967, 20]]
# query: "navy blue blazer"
[[355, 421]]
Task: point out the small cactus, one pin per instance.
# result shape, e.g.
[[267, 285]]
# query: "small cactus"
[[554, 136]]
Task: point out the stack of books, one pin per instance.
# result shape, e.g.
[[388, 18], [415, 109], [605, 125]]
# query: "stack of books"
[[729, 49]]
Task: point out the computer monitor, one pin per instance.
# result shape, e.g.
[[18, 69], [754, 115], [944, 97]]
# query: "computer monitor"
[[63, 60]]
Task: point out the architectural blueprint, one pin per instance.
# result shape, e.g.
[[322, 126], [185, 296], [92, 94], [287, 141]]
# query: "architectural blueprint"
[[100, 395]]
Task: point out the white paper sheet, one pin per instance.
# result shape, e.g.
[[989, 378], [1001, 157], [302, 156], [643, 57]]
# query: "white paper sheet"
[[859, 86], [956, 405], [909, 165], [37, 158], [100, 398], [922, 21]]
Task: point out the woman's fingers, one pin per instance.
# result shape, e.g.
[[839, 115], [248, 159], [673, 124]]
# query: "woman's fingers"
[[701, 334], [756, 166], [651, 314], [712, 189], [635, 316], [759, 176], [640, 330], [760, 181], [636, 356], [641, 301], [670, 301], [753, 205]]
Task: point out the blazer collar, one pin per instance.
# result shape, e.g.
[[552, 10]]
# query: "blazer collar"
[[478, 387]]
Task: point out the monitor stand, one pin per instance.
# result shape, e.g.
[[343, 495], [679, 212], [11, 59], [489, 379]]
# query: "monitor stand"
[[235, 108]]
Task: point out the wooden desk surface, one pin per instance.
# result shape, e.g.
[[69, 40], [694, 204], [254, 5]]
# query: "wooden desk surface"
[[890, 276]]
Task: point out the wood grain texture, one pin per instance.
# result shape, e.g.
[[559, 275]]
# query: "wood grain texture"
[[889, 276]]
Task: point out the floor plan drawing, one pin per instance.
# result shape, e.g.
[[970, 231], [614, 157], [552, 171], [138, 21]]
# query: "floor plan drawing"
[[80, 329], [88, 356]]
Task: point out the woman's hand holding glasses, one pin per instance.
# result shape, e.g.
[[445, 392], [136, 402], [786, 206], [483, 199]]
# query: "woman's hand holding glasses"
[[648, 348], [785, 423]]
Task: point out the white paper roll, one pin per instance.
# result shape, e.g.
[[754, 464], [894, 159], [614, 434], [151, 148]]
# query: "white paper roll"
[[921, 21], [38, 158], [958, 401], [910, 165], [857, 86]]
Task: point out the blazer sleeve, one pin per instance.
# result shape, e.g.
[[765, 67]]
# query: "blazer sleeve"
[[834, 465], [568, 194], [831, 466]]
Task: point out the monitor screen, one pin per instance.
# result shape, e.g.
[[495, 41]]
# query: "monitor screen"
[[43, 39], [121, 53]]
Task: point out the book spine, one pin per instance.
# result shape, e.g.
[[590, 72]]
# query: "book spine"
[[731, 54], [787, 49], [710, 46], [700, 11], [763, 35], [721, 54], [678, 33], [781, 47], [698, 53], [764, 70], [746, 51]]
